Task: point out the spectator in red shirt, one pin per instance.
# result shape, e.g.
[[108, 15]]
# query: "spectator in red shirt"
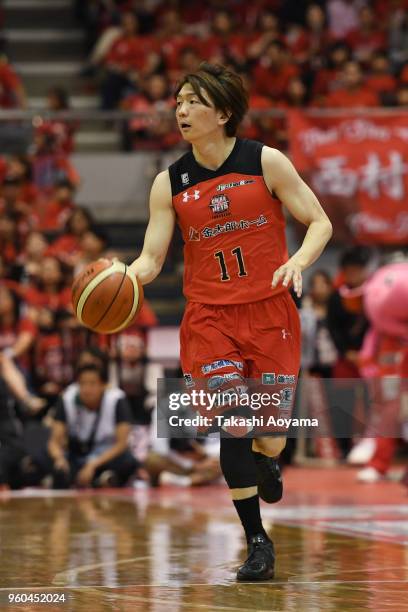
[[189, 59], [224, 44], [10, 243], [19, 167], [354, 93], [50, 290], [258, 126], [93, 244], [52, 214], [68, 246], [152, 131], [17, 333], [12, 93], [268, 30], [171, 38], [274, 71], [58, 101], [125, 61], [368, 37], [31, 259], [380, 79], [328, 78]]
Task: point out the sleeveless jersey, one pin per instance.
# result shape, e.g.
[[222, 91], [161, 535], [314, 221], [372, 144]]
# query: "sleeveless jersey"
[[233, 228]]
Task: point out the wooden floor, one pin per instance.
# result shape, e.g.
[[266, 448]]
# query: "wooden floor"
[[341, 547]]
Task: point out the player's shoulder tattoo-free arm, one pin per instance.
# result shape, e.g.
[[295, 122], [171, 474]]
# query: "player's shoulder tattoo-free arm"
[[159, 230], [282, 178]]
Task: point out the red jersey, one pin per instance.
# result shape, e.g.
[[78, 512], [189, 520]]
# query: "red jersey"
[[233, 228]]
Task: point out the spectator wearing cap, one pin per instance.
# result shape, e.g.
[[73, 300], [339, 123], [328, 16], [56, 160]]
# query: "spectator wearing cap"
[[380, 79]]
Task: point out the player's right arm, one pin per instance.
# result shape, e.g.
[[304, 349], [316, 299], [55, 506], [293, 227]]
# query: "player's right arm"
[[159, 231]]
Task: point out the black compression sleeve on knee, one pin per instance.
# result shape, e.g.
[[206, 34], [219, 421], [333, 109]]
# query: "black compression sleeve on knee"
[[237, 462]]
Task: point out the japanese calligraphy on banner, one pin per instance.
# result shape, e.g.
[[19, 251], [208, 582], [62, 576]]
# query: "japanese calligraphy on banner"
[[358, 167]]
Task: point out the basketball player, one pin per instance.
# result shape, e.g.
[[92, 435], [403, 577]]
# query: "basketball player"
[[226, 194]]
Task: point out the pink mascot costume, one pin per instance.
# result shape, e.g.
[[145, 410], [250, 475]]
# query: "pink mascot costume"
[[384, 359]]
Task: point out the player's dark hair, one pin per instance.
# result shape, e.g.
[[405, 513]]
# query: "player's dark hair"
[[355, 256], [92, 367], [224, 88]]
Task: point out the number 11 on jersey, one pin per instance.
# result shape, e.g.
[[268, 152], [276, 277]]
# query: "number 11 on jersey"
[[223, 266]]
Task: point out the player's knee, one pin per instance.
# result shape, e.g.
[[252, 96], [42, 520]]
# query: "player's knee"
[[237, 462], [269, 445]]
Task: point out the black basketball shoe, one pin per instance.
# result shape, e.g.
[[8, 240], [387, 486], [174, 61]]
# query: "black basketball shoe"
[[261, 560], [269, 478]]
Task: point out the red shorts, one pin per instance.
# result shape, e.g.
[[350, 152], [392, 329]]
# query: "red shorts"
[[252, 340]]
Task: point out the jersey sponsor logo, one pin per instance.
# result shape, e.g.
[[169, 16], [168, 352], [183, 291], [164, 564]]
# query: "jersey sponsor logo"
[[219, 379], [221, 363], [193, 235], [191, 196], [240, 183], [220, 205], [270, 378], [285, 334], [188, 379], [232, 226], [286, 398], [185, 179]]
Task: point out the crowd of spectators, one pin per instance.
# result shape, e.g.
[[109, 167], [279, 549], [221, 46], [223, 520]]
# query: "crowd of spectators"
[[334, 53], [342, 53]]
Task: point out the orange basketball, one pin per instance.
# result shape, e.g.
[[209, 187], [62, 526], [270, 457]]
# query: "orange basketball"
[[106, 296]]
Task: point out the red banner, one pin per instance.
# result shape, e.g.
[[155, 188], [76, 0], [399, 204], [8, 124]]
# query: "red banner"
[[358, 168]]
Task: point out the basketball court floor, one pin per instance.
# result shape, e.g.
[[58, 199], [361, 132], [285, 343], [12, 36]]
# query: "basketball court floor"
[[341, 547]]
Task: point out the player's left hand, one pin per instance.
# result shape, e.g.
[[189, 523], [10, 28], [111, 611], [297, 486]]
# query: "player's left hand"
[[290, 272]]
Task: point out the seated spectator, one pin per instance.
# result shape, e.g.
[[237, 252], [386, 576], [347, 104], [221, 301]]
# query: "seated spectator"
[[50, 289], [328, 78], [51, 373], [259, 126], [53, 213], [12, 204], [12, 93], [20, 169], [171, 38], [90, 431], [58, 101], [380, 79], [354, 93], [224, 44], [92, 246], [189, 59], [49, 163], [125, 61], [317, 36], [367, 38], [17, 332], [153, 131], [31, 258], [268, 31], [68, 246], [10, 241], [274, 71]]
